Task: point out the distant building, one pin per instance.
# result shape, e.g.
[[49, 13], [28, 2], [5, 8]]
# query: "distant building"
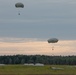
[[31, 64], [2, 64], [39, 64]]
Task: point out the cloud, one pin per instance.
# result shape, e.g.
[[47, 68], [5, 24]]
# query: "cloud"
[[21, 20], [39, 18], [34, 46], [15, 40]]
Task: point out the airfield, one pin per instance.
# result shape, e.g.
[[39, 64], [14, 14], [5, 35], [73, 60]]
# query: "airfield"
[[37, 70]]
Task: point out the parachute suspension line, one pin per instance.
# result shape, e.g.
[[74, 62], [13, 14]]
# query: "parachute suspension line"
[[18, 12], [52, 47]]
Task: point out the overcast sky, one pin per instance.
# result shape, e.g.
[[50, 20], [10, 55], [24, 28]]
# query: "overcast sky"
[[38, 19], [35, 47]]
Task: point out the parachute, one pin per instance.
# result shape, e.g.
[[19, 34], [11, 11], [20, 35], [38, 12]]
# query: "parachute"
[[52, 40], [19, 5]]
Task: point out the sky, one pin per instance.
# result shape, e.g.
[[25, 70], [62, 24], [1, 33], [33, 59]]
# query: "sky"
[[37, 47], [38, 21]]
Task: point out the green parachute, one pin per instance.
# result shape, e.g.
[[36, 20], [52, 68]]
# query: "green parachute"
[[52, 40], [19, 5]]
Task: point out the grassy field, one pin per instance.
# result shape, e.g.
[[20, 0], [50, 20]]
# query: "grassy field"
[[37, 70]]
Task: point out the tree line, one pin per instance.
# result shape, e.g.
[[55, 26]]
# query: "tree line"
[[43, 59]]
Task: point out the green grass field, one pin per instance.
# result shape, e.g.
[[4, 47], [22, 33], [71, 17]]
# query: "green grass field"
[[37, 70]]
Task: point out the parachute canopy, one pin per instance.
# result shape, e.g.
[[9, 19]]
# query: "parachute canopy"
[[19, 5], [52, 40]]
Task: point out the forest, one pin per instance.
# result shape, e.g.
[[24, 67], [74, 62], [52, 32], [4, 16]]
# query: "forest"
[[43, 59]]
